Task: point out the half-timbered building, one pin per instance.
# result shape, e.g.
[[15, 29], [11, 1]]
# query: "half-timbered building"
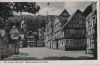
[[58, 23], [91, 28], [74, 32]]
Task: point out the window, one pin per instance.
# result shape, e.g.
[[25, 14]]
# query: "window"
[[93, 18], [83, 31], [58, 33], [91, 44], [59, 24], [83, 22], [93, 30], [77, 22], [88, 22], [62, 43], [54, 27], [67, 31], [67, 42], [86, 33], [70, 25], [95, 12], [40, 36], [71, 41]]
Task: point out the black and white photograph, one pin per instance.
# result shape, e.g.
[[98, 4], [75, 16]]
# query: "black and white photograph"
[[48, 30]]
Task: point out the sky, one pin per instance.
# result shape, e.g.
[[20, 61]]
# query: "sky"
[[55, 8]]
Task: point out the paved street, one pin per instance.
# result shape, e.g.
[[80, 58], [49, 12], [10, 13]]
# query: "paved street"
[[41, 52]]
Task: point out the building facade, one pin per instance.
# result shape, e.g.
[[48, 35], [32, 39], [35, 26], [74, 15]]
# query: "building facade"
[[31, 39], [74, 32], [49, 32], [91, 29], [40, 40], [63, 18], [53, 33], [58, 34]]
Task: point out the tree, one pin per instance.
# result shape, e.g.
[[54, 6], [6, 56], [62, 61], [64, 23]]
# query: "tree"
[[6, 10], [30, 7], [1, 23]]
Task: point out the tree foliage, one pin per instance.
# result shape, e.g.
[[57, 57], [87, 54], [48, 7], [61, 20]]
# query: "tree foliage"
[[1, 23], [30, 7], [6, 10]]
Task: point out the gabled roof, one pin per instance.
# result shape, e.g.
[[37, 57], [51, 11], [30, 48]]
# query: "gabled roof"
[[64, 13], [70, 18], [88, 10]]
